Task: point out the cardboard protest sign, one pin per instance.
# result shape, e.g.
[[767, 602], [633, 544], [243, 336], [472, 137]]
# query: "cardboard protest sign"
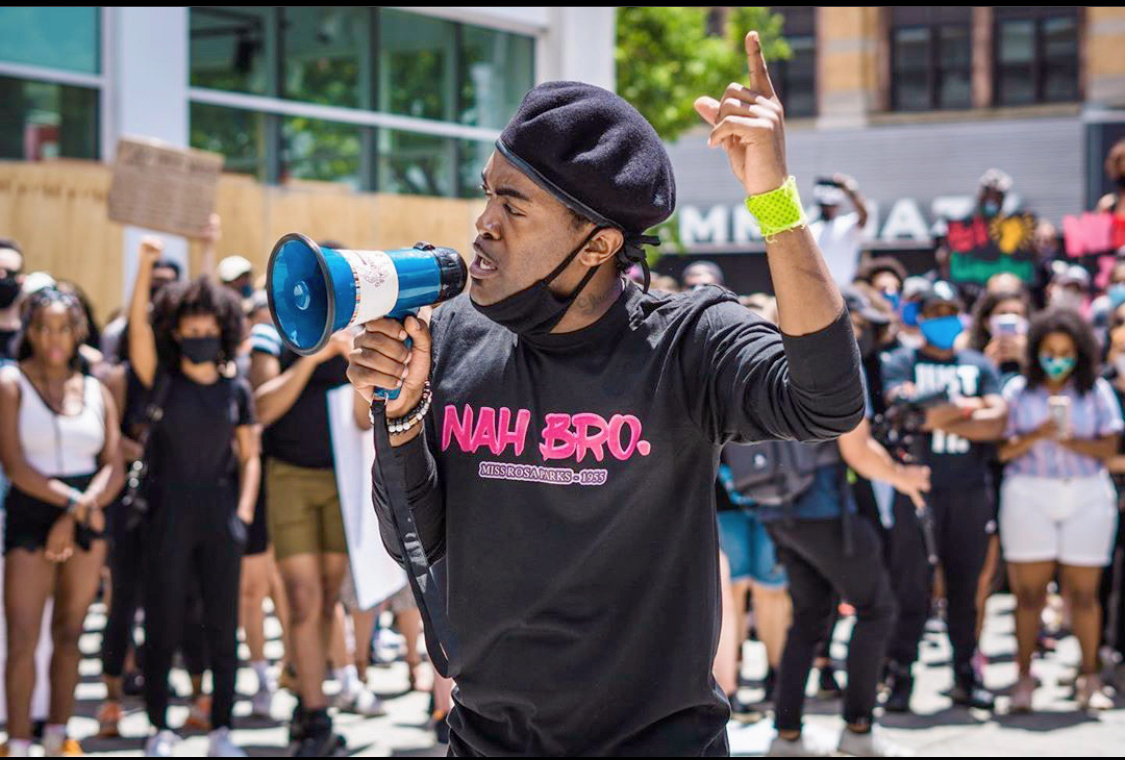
[[163, 188], [982, 247]]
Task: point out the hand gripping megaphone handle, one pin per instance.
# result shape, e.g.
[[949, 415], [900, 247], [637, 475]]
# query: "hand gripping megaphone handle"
[[400, 316]]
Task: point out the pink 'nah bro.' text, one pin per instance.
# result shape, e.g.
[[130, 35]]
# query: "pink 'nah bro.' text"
[[563, 436]]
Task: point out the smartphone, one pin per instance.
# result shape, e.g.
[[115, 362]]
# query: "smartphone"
[[1008, 324], [1058, 407], [828, 181]]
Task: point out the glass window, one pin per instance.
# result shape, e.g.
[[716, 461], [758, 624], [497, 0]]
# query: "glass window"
[[238, 135], [322, 50], [416, 66], [931, 58], [415, 164], [1036, 55], [321, 150], [229, 49], [795, 78], [40, 120], [57, 38], [472, 156], [497, 70]]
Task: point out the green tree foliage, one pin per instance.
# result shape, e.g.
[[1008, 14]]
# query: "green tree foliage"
[[666, 58]]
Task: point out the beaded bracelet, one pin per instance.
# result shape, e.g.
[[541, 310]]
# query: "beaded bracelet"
[[778, 210], [413, 417]]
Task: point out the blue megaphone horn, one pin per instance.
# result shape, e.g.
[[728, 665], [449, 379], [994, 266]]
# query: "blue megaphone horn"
[[315, 291]]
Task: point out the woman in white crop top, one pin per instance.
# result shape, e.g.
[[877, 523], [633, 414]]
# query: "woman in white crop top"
[[59, 444]]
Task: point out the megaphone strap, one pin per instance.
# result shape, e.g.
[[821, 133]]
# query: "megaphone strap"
[[440, 642]]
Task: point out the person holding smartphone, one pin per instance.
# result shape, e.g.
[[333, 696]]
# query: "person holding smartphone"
[[1058, 506], [838, 235]]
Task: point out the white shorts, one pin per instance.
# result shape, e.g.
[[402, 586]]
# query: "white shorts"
[[1072, 521]]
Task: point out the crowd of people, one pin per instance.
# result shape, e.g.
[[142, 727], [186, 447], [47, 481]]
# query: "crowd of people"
[[991, 459], [179, 464]]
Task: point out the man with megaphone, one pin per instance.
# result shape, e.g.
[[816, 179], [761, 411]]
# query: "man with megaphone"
[[556, 430]]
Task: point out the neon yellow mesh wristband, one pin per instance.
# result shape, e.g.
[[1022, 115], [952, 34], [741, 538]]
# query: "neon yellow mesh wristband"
[[778, 210]]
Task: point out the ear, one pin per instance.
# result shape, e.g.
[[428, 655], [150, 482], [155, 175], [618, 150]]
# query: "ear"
[[602, 247]]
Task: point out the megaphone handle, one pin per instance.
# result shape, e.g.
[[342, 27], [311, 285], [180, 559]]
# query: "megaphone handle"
[[401, 316]]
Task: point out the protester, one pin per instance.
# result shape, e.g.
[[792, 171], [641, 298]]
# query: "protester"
[[204, 480], [1058, 508], [59, 448], [839, 236]]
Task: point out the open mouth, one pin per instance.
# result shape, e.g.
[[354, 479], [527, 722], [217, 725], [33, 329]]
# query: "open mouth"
[[482, 266]]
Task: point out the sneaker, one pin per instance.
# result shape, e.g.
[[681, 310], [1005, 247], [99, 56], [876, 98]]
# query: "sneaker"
[[317, 738], [901, 684], [827, 685], [162, 745], [109, 716], [805, 745], [1021, 695], [1091, 694], [360, 702], [61, 746], [872, 743], [221, 745], [199, 717], [261, 704], [967, 691]]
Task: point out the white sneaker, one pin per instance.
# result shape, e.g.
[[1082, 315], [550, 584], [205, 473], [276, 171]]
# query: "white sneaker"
[[16, 748], [808, 744], [261, 704], [874, 743], [363, 702], [222, 745], [162, 745]]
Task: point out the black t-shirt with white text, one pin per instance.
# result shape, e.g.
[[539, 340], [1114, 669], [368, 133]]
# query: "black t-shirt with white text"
[[955, 461]]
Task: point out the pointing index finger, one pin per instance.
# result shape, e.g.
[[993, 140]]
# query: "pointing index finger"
[[756, 64]]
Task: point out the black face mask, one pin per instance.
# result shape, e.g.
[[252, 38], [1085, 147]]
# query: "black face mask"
[[9, 291], [201, 350], [534, 311]]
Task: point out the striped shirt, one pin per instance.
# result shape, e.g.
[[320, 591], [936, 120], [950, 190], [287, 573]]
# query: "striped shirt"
[[1092, 415]]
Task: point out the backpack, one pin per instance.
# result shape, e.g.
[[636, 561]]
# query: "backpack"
[[773, 473]]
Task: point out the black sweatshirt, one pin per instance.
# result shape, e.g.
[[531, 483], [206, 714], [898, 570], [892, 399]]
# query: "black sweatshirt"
[[570, 483]]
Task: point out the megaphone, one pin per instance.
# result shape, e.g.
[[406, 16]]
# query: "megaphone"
[[315, 291]]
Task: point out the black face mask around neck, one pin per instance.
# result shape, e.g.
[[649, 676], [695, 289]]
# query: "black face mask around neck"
[[535, 310]]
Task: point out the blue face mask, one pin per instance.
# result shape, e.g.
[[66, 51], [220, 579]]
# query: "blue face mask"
[[1116, 295], [1057, 367], [894, 299], [942, 332], [990, 208], [910, 313]]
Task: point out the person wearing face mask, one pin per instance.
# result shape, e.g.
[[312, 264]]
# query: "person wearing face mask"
[[886, 276], [202, 485], [1058, 506], [11, 282], [115, 346], [839, 236], [237, 273], [956, 446], [994, 188], [1103, 307], [701, 273], [554, 371]]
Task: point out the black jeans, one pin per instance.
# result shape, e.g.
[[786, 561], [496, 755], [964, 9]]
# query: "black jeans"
[[819, 570], [126, 572], [194, 534], [960, 519]]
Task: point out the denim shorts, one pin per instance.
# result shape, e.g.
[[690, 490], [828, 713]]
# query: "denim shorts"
[[749, 549]]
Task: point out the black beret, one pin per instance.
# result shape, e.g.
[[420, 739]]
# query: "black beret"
[[595, 153]]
